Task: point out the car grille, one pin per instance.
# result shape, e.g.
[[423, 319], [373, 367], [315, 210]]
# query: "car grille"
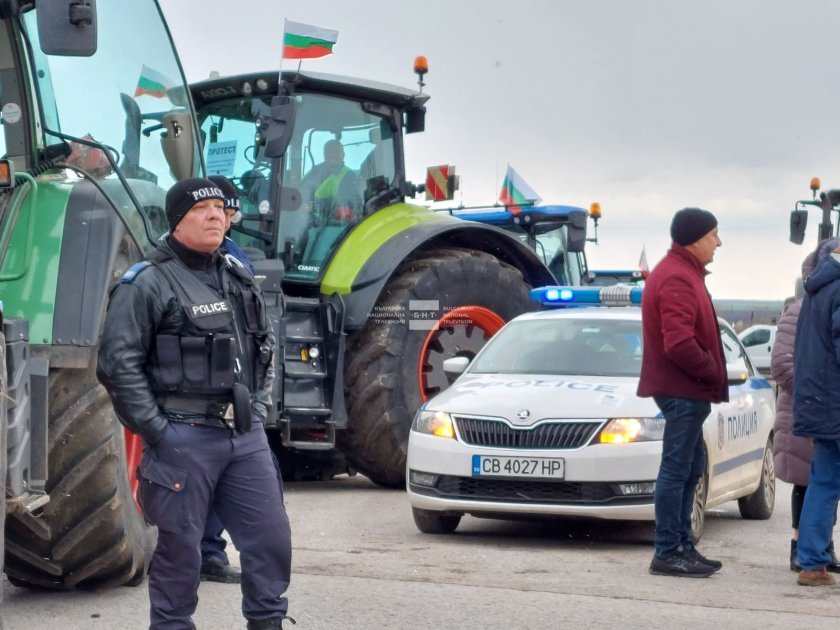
[[547, 435], [524, 490]]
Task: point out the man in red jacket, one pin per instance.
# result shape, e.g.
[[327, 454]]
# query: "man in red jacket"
[[684, 370]]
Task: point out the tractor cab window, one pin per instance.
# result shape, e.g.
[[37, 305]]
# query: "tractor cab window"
[[136, 69], [340, 156], [12, 119], [550, 244], [299, 207]]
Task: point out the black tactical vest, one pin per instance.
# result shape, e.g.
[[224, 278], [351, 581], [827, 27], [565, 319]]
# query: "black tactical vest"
[[223, 339]]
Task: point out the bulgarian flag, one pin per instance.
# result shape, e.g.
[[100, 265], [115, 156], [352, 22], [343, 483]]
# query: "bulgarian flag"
[[302, 41], [152, 83], [516, 193]]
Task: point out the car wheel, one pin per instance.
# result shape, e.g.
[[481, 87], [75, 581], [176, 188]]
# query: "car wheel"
[[698, 509], [759, 505], [430, 522]]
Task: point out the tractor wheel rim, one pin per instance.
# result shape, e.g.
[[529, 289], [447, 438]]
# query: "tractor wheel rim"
[[460, 332], [133, 455]]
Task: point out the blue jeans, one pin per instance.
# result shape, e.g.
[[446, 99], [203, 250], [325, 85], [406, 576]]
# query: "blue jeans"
[[683, 463], [817, 520]]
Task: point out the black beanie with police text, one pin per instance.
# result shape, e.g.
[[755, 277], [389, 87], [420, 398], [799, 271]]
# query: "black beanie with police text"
[[691, 224], [227, 187], [185, 194]]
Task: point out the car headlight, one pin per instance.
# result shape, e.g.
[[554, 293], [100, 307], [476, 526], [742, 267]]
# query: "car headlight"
[[434, 423], [624, 430]]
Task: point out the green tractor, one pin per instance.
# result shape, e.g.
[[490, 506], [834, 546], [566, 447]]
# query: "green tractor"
[[96, 125], [376, 292]]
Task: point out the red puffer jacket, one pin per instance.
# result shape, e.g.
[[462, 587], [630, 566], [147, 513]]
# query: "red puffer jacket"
[[683, 355]]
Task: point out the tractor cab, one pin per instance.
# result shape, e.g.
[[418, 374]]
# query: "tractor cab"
[[340, 161], [557, 234]]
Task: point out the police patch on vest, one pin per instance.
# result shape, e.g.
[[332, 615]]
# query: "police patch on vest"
[[212, 308]]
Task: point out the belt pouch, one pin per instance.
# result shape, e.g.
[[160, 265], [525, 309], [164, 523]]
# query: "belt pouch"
[[221, 363], [241, 408], [194, 360], [168, 349], [249, 299]]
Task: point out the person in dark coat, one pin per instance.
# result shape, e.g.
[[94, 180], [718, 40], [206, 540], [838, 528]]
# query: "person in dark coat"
[[792, 454], [187, 359], [816, 412], [683, 369]]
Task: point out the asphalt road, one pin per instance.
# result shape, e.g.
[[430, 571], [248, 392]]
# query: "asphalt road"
[[359, 563]]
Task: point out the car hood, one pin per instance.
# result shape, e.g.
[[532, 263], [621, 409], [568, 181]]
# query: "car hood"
[[512, 395]]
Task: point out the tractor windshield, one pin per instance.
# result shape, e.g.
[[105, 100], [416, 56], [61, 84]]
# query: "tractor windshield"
[[551, 244], [339, 157], [118, 99]]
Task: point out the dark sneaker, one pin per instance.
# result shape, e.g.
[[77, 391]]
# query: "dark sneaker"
[[680, 564], [696, 555], [819, 577], [217, 571]]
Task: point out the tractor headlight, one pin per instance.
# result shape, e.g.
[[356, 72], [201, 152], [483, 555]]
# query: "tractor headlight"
[[434, 423], [624, 430]]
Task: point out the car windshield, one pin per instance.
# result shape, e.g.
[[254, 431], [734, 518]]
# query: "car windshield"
[[606, 347]]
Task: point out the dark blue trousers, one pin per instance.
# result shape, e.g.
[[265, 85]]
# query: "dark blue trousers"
[[190, 468], [212, 543], [683, 463]]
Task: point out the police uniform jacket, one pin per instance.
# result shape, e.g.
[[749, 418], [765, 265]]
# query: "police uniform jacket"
[[816, 356], [682, 354], [148, 320]]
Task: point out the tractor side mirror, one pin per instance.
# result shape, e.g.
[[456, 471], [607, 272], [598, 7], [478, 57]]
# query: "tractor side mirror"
[[577, 232], [178, 144], [415, 120], [275, 131], [67, 27], [798, 222]]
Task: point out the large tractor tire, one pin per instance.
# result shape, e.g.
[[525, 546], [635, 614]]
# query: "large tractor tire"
[[91, 534], [394, 362]]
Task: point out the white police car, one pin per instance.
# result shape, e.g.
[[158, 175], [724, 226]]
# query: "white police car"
[[545, 421]]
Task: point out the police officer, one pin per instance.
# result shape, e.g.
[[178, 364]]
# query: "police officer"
[[186, 357], [215, 564]]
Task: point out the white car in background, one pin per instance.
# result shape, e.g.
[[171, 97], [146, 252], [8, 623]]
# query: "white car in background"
[[545, 421], [758, 341]]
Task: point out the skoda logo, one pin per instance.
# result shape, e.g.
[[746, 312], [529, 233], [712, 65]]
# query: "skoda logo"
[[522, 415]]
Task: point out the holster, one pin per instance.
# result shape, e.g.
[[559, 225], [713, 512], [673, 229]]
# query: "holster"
[[241, 408]]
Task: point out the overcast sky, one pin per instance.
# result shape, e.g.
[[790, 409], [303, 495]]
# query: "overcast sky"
[[645, 106]]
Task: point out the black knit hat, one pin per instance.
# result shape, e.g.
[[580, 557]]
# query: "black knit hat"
[[691, 224], [185, 194], [231, 195]]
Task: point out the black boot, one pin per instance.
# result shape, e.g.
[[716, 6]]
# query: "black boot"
[[217, 571], [275, 623], [794, 563], [834, 563]]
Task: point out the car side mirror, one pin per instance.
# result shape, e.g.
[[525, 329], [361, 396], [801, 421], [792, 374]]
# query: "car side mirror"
[[736, 373], [454, 367]]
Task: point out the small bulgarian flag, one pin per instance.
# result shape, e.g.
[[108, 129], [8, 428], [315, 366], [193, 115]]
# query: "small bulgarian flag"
[[152, 83], [515, 192], [302, 41]]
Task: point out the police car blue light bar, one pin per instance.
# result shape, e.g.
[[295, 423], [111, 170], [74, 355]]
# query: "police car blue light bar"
[[568, 297]]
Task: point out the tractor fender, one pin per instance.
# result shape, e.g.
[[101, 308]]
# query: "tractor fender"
[[375, 271]]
